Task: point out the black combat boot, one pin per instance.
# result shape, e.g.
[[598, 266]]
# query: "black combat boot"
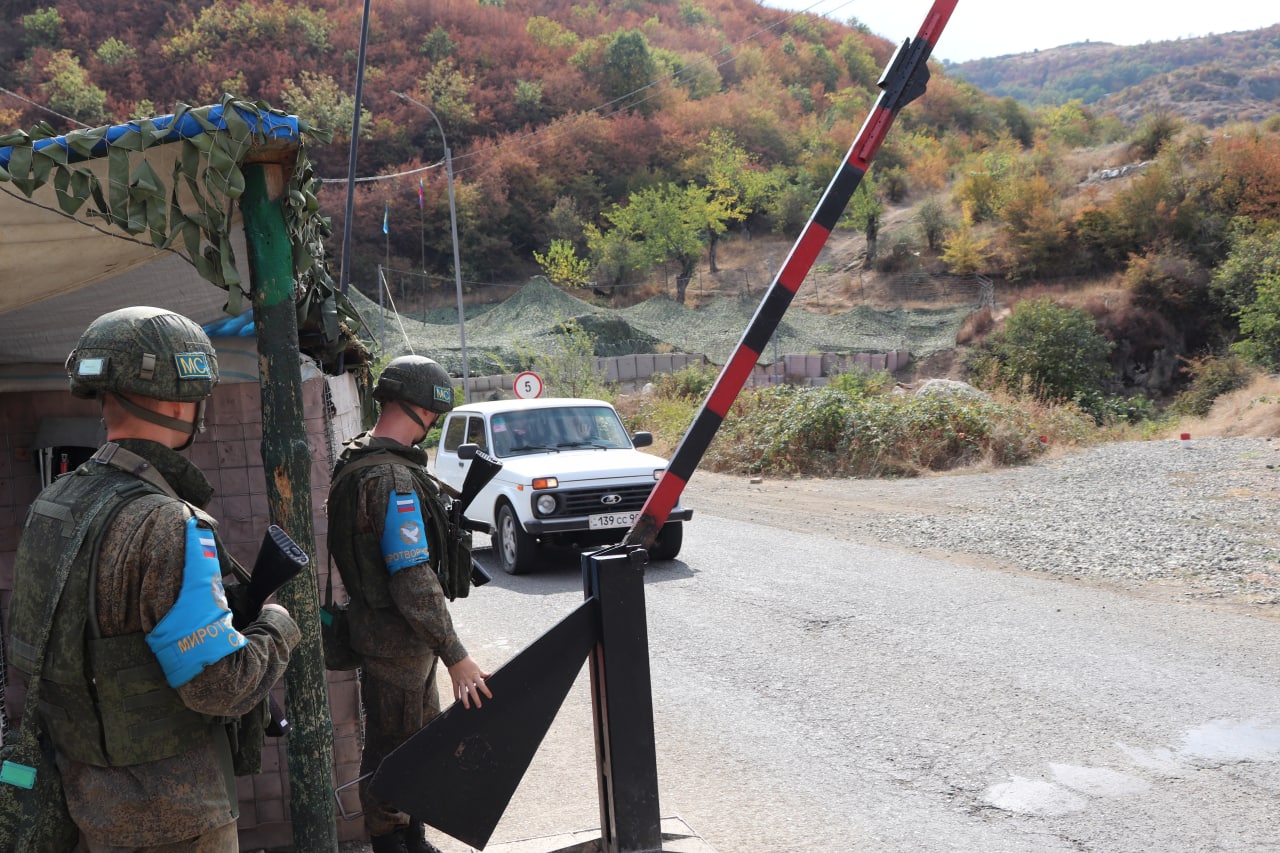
[[391, 843], [414, 842]]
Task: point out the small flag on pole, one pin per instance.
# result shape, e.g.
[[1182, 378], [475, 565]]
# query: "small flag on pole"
[[419, 193], [385, 213]]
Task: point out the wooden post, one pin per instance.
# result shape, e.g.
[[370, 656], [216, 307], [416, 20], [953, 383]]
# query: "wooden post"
[[286, 459]]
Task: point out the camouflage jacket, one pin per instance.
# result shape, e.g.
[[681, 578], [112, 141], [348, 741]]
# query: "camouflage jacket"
[[403, 615], [139, 577]]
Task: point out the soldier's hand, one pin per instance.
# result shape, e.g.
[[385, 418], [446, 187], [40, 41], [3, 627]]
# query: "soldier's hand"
[[468, 682]]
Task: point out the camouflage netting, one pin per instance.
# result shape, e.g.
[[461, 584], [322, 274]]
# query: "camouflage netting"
[[527, 322]]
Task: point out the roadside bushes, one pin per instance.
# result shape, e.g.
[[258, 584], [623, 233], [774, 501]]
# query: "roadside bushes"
[[1057, 351], [830, 432], [1210, 379], [691, 382], [1057, 355]]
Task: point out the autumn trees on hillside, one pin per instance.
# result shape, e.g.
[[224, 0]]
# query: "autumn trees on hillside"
[[541, 101], [1190, 233], [624, 135]]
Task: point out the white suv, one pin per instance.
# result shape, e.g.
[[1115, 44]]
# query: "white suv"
[[570, 476]]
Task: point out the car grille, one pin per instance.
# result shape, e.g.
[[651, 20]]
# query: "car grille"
[[588, 501]]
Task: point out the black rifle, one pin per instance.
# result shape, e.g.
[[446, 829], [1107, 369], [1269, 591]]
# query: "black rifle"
[[483, 468], [279, 561]]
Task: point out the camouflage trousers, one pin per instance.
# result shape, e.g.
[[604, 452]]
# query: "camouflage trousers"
[[394, 709]]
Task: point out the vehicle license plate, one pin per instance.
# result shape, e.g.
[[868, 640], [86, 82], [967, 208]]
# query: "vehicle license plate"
[[605, 520]]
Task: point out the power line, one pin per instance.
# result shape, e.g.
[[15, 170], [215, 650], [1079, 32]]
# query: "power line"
[[38, 106]]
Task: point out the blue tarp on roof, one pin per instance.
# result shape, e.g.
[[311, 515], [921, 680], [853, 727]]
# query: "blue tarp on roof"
[[269, 125], [232, 327]]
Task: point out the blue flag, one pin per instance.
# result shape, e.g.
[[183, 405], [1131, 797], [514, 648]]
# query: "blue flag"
[[385, 212], [420, 193]]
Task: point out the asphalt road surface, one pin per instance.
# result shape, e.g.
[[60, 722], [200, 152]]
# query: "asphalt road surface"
[[814, 694]]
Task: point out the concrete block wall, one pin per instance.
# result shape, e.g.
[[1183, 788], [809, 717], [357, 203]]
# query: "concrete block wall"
[[631, 372], [817, 369]]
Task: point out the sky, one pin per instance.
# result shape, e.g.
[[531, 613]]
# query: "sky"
[[984, 28]]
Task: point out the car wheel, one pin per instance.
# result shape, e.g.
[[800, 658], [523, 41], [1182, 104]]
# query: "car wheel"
[[517, 549], [667, 545]]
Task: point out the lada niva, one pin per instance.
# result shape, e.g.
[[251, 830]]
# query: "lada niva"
[[571, 476]]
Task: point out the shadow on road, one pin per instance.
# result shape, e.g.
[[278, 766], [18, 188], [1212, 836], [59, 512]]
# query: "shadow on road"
[[561, 571]]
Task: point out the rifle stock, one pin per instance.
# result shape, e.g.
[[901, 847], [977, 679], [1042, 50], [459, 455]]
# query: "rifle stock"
[[482, 469], [279, 560]]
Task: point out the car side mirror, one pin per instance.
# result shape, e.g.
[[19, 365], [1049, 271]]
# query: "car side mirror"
[[642, 439], [468, 451]]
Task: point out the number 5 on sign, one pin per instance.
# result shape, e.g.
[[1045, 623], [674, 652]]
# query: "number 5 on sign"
[[528, 385]]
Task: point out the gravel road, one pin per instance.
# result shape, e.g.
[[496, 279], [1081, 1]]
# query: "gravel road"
[[1155, 518]]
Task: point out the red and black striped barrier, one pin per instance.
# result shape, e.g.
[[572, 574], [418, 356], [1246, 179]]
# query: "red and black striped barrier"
[[903, 81]]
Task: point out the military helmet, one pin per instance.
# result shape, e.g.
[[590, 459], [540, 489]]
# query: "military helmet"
[[417, 380], [146, 351]]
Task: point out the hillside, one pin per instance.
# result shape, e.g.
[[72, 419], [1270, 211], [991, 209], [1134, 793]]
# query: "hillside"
[[656, 150], [1209, 80], [553, 112]]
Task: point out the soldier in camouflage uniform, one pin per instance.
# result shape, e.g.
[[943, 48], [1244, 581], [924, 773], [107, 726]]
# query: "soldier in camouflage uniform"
[[146, 678], [399, 621]]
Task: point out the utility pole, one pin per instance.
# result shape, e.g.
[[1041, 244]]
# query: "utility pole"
[[344, 276], [457, 263]]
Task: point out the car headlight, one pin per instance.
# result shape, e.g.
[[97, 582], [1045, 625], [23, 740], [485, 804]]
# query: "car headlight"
[[546, 504]]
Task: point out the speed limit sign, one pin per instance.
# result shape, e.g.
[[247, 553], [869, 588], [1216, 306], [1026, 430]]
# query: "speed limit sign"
[[528, 385]]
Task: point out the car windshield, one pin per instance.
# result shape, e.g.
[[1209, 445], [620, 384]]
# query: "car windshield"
[[565, 428]]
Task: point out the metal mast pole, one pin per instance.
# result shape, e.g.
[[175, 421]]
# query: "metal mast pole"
[[457, 263]]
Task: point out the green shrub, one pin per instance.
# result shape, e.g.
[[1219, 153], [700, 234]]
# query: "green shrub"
[[1210, 378], [1260, 325], [1057, 353], [862, 383], [668, 418], [691, 382], [568, 365], [1116, 410]]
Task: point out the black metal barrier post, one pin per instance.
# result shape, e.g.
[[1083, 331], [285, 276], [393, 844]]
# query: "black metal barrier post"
[[458, 773], [622, 702]]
